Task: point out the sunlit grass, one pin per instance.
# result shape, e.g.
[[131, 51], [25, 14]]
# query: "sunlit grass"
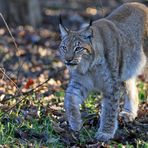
[[37, 130], [142, 88]]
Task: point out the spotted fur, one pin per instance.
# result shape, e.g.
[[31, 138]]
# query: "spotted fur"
[[101, 57]]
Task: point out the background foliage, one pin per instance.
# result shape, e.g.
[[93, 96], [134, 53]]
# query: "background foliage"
[[33, 80]]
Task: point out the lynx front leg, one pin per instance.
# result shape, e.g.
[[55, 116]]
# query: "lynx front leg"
[[108, 121], [131, 101], [71, 104], [75, 95]]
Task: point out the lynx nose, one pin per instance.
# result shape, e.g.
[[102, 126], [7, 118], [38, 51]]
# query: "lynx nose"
[[69, 59]]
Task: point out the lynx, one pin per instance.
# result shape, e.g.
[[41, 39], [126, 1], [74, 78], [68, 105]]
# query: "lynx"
[[102, 57]]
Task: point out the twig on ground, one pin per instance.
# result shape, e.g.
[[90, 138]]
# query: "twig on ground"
[[88, 133], [4, 74], [32, 90], [3, 71], [16, 47]]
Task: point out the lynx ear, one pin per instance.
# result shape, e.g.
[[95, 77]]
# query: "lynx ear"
[[88, 32], [63, 30]]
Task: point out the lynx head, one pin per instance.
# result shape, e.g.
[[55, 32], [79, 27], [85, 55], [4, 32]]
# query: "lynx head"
[[76, 48]]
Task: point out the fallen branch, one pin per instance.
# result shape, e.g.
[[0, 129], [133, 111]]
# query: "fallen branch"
[[24, 94], [19, 63]]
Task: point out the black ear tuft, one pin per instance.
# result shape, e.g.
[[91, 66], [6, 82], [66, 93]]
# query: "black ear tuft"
[[60, 19], [64, 31], [61, 22], [91, 21]]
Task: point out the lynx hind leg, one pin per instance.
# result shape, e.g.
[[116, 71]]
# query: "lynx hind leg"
[[109, 114], [129, 111], [108, 120]]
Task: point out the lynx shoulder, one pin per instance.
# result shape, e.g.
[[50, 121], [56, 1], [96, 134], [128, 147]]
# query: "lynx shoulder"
[[129, 13], [125, 32]]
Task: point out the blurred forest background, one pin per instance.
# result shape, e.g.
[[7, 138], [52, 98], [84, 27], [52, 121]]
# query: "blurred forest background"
[[33, 79]]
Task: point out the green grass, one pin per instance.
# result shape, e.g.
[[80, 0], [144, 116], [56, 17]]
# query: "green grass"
[[142, 91], [12, 132], [19, 131]]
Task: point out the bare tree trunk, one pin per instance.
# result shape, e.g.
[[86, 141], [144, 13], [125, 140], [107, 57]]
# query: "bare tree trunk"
[[21, 12], [34, 12], [3, 10]]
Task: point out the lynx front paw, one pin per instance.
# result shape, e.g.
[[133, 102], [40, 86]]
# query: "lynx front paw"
[[127, 116], [75, 125], [103, 136]]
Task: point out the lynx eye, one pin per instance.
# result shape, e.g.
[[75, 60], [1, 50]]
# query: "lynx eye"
[[63, 48], [78, 49]]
